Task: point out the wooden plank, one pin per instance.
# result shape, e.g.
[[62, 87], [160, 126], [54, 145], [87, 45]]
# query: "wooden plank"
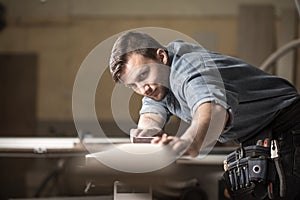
[[18, 86], [287, 30], [256, 33], [18, 91]]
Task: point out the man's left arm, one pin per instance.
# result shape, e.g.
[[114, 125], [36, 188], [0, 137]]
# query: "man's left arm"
[[207, 124]]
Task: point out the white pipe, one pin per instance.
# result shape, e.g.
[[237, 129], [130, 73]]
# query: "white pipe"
[[267, 64], [298, 6]]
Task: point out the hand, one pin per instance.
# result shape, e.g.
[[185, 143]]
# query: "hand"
[[145, 132], [143, 135], [179, 145]]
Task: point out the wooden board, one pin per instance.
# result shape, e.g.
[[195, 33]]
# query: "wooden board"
[[287, 30], [18, 89], [256, 33]]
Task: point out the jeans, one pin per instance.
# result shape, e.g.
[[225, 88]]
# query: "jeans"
[[289, 153], [286, 130]]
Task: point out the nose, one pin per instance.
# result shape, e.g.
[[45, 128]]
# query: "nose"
[[144, 90]]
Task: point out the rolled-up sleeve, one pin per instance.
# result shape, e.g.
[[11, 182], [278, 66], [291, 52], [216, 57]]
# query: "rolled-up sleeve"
[[199, 89], [208, 86], [157, 107]]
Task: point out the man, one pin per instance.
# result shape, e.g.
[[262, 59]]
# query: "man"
[[221, 97]]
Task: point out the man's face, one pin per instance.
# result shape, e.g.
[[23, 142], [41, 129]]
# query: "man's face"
[[146, 76]]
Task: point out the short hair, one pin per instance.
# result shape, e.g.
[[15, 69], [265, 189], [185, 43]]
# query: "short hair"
[[127, 44]]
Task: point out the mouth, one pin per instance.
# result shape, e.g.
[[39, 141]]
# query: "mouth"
[[153, 94]]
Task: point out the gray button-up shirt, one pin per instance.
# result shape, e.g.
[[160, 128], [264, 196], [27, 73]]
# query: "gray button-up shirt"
[[251, 96]]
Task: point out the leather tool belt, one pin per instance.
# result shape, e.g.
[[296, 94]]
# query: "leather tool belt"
[[249, 173]]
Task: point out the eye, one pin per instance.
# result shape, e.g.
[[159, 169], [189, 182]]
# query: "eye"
[[143, 75]]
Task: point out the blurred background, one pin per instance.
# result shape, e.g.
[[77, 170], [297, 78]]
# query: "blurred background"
[[44, 42]]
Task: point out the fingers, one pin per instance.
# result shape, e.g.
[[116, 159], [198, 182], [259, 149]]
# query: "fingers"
[[179, 146], [155, 140], [164, 139], [135, 132]]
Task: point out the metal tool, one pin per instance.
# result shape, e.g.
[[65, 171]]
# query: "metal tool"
[[279, 169], [141, 139]]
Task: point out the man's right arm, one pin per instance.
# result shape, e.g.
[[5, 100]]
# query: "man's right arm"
[[149, 124], [153, 116], [150, 121]]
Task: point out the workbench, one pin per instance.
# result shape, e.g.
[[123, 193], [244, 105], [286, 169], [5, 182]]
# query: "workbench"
[[207, 170]]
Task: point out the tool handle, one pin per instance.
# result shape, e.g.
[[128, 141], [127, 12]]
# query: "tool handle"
[[282, 183]]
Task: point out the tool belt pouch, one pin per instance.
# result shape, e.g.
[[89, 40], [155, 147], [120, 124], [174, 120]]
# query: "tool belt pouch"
[[247, 172]]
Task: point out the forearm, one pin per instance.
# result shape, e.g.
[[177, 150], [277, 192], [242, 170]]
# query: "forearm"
[[151, 121], [208, 123]]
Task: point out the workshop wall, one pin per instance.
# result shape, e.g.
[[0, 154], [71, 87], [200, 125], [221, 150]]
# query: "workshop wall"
[[62, 48], [59, 34], [63, 32]]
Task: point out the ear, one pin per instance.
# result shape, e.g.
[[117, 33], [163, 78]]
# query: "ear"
[[162, 56]]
